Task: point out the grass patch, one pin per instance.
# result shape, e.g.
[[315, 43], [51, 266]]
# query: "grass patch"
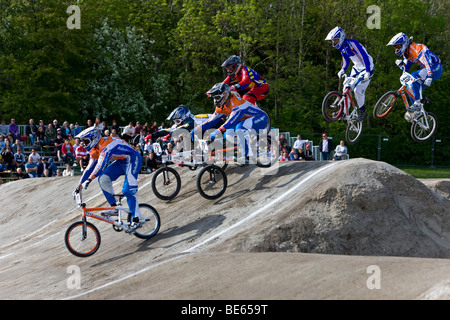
[[427, 172]]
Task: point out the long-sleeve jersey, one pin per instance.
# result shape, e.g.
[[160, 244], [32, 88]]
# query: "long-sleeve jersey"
[[237, 110], [246, 78], [419, 53], [354, 51], [108, 149]]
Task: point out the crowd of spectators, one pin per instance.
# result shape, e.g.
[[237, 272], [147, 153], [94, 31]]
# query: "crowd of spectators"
[[300, 151], [60, 140]]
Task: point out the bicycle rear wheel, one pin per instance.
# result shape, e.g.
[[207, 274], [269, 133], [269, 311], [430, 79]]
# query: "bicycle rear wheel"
[[385, 104], [420, 132], [332, 110], [166, 183], [211, 182], [150, 222], [82, 241]]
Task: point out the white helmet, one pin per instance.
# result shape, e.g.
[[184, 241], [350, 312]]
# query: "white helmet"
[[400, 42], [336, 33], [90, 136]]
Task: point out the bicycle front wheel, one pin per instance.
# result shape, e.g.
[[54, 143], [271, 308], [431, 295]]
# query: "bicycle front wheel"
[[150, 222], [166, 183], [211, 182], [424, 128], [332, 110], [353, 132], [82, 239], [385, 104]]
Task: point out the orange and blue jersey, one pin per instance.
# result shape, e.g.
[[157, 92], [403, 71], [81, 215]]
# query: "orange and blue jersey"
[[237, 110], [420, 54], [107, 150], [246, 78]]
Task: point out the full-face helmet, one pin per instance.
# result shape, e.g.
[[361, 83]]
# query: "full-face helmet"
[[400, 42], [220, 93], [90, 136], [336, 36]]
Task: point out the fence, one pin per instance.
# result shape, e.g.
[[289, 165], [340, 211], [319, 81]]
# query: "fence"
[[395, 150]]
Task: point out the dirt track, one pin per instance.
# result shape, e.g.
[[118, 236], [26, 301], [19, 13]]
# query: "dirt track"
[[310, 231]]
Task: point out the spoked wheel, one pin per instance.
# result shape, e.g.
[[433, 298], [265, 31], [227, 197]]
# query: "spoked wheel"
[[150, 222], [353, 132], [385, 104], [166, 183], [266, 155], [422, 132], [211, 182], [332, 110], [82, 239]]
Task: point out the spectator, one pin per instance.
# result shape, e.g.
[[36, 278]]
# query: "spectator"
[[106, 133], [59, 141], [116, 127], [76, 129], [71, 139], [283, 144], [31, 131], [89, 123], [64, 129], [34, 155], [40, 168], [68, 171], [137, 128], [162, 126], [8, 157], [128, 133], [49, 167], [6, 143], [40, 136], [301, 154], [114, 134], [67, 152], [31, 168], [41, 124], [19, 159], [18, 145], [76, 145], [2, 164], [340, 152], [284, 156], [154, 127], [308, 153], [325, 146], [20, 174], [50, 135], [99, 124], [4, 129], [58, 173], [299, 143], [152, 164], [82, 156], [14, 129], [55, 125]]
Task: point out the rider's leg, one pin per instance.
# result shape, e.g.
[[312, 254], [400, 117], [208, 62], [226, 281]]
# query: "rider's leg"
[[130, 185], [244, 129], [256, 94], [105, 181], [360, 94], [418, 85]]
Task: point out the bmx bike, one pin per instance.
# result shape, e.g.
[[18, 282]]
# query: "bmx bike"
[[336, 106], [424, 124], [212, 179], [83, 239]]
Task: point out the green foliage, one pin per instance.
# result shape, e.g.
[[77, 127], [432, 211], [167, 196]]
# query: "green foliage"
[[139, 59]]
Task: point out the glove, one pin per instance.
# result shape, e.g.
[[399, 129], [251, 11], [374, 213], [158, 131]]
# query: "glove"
[[427, 81], [367, 76], [86, 184], [215, 134], [235, 87], [341, 73], [400, 64]]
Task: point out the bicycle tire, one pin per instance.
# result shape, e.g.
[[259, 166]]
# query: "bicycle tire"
[[353, 131], [161, 183], [216, 175], [78, 247], [416, 129], [330, 111], [152, 222], [385, 104]]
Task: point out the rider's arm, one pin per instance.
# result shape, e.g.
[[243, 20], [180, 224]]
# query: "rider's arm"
[[246, 81], [87, 172], [211, 122], [425, 59], [359, 50]]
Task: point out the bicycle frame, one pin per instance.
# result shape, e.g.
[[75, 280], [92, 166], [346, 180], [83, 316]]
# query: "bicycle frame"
[[349, 85], [90, 212]]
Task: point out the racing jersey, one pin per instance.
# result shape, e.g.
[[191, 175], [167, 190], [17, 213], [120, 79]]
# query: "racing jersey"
[[419, 53], [237, 110], [354, 51], [246, 78], [108, 149]]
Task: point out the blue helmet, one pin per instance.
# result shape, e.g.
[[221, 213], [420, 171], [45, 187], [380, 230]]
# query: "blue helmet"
[[336, 34], [400, 42], [90, 136], [179, 115]]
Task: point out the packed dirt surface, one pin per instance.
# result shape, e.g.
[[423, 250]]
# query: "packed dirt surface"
[[355, 229]]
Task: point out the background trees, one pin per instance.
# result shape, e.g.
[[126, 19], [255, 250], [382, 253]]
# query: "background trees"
[[139, 59]]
